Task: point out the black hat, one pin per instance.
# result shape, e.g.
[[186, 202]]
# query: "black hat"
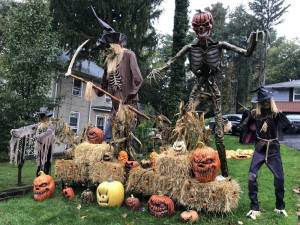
[[44, 112], [109, 35], [262, 95]]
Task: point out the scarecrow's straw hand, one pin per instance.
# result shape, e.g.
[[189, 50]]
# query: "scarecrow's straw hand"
[[156, 75]]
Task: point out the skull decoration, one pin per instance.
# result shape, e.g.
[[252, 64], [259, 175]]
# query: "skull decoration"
[[160, 205], [179, 146], [87, 196], [133, 203], [123, 157], [110, 193], [202, 23], [205, 164], [68, 193], [43, 187], [95, 135]]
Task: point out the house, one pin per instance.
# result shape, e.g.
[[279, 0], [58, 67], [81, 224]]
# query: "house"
[[286, 96]]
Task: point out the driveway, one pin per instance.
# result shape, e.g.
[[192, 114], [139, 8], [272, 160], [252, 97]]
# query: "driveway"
[[291, 140]]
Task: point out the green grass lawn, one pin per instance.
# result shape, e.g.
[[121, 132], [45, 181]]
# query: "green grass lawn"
[[57, 210]]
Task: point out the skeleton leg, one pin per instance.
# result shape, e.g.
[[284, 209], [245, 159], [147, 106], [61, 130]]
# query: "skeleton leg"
[[219, 133], [197, 95]]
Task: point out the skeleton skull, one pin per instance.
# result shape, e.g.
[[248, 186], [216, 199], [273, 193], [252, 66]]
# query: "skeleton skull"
[[205, 164], [202, 23], [179, 146]]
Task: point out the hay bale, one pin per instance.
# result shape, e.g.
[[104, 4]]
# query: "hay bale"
[[168, 186], [86, 152], [215, 196], [173, 165], [101, 171], [142, 181], [68, 170]]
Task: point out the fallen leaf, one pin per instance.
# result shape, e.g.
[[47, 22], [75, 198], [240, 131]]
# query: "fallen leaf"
[[78, 207], [240, 223], [124, 215], [82, 217]]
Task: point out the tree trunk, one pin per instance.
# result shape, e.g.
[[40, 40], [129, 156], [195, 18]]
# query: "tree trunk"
[[21, 162]]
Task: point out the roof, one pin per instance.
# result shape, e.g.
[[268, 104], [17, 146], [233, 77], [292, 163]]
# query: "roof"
[[288, 106], [288, 84]]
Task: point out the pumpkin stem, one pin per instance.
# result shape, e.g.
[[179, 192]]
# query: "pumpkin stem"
[[110, 179], [131, 196], [41, 173]]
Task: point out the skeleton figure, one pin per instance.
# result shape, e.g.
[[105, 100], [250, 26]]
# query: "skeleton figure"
[[205, 62]]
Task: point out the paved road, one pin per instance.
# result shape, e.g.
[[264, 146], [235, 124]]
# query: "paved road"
[[291, 141]]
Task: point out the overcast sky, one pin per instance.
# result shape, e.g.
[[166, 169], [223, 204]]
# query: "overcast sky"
[[289, 27]]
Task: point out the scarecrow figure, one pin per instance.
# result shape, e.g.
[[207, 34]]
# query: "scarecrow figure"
[[122, 77], [205, 56], [267, 149]]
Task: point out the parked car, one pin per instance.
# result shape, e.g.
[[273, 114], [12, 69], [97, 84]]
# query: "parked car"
[[234, 119], [295, 119]]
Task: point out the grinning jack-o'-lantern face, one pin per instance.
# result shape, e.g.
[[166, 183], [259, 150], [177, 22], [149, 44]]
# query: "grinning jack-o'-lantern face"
[[68, 193], [160, 206], [205, 164], [43, 187], [95, 135], [202, 23]]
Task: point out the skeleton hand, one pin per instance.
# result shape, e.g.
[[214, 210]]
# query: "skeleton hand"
[[156, 74], [262, 36]]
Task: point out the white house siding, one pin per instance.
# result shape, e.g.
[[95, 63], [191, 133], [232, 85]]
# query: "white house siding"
[[281, 95]]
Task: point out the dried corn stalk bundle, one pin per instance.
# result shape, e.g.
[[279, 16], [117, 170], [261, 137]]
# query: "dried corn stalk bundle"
[[101, 171], [215, 196], [86, 152]]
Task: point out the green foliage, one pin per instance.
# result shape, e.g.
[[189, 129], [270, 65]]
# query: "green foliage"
[[26, 63]]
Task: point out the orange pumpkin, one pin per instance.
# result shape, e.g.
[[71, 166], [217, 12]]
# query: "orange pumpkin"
[[43, 187], [123, 157], [68, 193], [133, 203], [95, 135], [205, 164], [160, 205], [189, 216]]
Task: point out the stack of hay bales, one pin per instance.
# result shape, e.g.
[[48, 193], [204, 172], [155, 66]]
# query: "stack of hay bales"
[[172, 177], [88, 165]]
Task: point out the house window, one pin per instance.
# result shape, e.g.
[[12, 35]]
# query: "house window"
[[77, 88], [74, 121], [100, 121], [296, 94]]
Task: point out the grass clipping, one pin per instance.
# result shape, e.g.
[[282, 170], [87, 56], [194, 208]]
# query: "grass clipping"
[[101, 171], [67, 170], [89, 153], [215, 196]]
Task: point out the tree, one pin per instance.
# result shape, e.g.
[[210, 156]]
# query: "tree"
[[268, 14], [177, 83], [27, 58]]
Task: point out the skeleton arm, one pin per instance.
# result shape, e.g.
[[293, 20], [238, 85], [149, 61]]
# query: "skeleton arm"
[[157, 73]]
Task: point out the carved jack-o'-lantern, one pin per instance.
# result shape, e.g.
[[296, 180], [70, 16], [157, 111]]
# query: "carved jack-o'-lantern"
[[133, 203], [43, 187], [123, 157], [95, 135], [68, 193], [189, 216], [205, 164], [160, 205]]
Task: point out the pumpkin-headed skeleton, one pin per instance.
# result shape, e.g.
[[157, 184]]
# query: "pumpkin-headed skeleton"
[[205, 164]]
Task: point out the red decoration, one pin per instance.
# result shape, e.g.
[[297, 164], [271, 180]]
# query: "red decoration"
[[95, 135], [160, 205]]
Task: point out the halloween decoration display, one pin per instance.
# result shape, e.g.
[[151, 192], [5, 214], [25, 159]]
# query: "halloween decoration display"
[[110, 193], [205, 56], [133, 203], [43, 187], [131, 164], [95, 135], [153, 157], [189, 216], [123, 157], [205, 164], [68, 192], [87, 196], [215, 196], [160, 206], [102, 171], [68, 170]]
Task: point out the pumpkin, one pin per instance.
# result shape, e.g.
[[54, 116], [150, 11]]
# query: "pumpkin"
[[110, 193], [189, 216], [131, 164], [205, 164], [68, 193], [87, 196], [145, 163], [160, 205], [179, 146], [123, 157], [43, 187], [133, 203], [95, 135], [153, 157]]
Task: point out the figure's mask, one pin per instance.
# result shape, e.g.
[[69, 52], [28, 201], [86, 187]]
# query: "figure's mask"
[[95, 135], [43, 187], [202, 23], [205, 164], [160, 206]]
